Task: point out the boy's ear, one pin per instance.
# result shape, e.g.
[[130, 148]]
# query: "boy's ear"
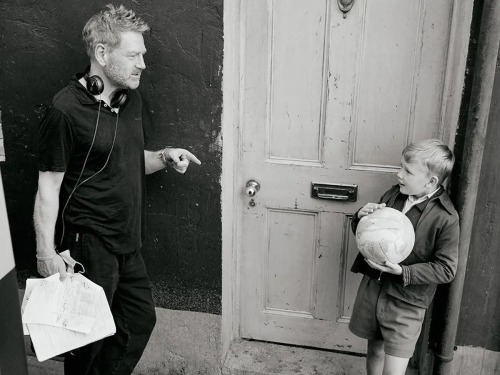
[[434, 180]]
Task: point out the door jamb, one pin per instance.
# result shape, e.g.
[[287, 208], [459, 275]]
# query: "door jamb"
[[230, 197]]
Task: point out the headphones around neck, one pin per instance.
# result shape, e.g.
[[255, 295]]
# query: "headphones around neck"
[[95, 86]]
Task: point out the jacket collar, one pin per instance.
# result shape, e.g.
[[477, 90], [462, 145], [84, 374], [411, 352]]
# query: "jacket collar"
[[421, 206], [445, 201]]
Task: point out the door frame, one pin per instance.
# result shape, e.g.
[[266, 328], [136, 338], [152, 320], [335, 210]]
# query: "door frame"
[[232, 195]]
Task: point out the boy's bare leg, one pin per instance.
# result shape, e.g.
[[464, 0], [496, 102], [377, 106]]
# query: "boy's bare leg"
[[379, 363], [395, 365], [375, 357]]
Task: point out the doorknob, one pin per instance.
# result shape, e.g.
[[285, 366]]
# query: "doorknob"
[[252, 188]]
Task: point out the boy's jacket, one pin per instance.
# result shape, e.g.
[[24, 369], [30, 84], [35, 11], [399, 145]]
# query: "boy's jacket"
[[434, 257]]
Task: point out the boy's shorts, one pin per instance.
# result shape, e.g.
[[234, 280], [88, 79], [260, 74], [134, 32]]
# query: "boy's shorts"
[[379, 316]]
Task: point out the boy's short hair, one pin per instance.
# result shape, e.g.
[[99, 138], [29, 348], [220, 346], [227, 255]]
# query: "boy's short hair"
[[432, 154], [106, 27]]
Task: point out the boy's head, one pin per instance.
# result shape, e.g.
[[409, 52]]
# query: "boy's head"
[[424, 166]]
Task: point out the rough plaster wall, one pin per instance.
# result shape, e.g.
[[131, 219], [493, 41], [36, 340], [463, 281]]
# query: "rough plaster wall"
[[41, 48], [480, 301], [478, 324]]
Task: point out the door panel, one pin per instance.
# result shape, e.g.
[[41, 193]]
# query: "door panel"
[[333, 100], [297, 116], [289, 283], [379, 104]]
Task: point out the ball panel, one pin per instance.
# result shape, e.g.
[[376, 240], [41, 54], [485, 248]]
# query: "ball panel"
[[385, 235]]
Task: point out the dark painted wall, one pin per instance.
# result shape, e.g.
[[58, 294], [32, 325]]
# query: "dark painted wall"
[[41, 48], [479, 324]]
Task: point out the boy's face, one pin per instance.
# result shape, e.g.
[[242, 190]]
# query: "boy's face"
[[414, 179]]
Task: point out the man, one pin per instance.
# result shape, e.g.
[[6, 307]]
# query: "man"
[[90, 197]]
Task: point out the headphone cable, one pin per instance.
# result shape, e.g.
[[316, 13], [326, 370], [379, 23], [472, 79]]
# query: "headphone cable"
[[78, 183]]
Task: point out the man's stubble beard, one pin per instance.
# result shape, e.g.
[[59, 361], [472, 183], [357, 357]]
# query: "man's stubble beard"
[[117, 78]]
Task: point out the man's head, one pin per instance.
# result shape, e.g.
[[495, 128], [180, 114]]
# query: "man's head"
[[424, 166], [114, 43]]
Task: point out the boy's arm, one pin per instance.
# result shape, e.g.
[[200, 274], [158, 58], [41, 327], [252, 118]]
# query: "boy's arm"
[[364, 211], [370, 207], [442, 267], [355, 221]]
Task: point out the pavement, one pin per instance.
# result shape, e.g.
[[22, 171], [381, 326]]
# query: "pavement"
[[251, 358], [50, 367], [262, 358]]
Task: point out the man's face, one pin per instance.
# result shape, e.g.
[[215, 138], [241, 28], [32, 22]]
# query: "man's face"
[[126, 62], [413, 179]]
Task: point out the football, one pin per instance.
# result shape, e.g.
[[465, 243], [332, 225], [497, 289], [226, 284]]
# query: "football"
[[385, 235]]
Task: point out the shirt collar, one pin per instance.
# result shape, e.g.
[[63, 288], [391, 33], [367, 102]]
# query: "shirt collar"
[[415, 200], [85, 97], [80, 91], [421, 202]]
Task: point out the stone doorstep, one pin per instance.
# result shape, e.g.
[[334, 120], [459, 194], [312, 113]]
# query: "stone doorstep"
[[262, 358]]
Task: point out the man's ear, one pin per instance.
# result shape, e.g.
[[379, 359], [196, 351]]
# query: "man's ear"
[[100, 52]]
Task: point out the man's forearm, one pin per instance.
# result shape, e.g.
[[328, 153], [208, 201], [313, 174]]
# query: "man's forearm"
[[153, 161], [44, 217]]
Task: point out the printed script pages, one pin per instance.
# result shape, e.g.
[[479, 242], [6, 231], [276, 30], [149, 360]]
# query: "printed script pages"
[[62, 316]]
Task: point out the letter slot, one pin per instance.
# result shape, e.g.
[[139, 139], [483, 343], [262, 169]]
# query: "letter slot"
[[335, 192]]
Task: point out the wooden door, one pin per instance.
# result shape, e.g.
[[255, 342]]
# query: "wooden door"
[[325, 99]]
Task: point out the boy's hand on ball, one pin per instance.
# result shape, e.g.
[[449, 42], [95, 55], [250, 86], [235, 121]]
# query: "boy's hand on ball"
[[387, 267], [369, 208]]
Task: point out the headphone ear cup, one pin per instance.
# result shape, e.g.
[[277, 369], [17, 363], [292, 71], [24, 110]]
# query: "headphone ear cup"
[[119, 98], [95, 85]]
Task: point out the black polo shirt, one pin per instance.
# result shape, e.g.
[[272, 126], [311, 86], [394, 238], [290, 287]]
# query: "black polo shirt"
[[109, 204]]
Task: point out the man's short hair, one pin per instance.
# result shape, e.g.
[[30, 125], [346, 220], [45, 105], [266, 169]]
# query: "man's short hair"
[[432, 154], [106, 27]]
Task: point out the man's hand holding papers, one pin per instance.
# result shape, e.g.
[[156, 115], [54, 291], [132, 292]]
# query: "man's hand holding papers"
[[62, 316]]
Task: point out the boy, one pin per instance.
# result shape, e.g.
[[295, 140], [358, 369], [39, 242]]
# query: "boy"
[[392, 298]]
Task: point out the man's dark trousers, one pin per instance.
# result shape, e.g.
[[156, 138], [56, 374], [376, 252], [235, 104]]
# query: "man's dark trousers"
[[126, 283]]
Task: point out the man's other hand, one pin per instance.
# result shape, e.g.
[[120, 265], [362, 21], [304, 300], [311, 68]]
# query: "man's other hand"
[[50, 265]]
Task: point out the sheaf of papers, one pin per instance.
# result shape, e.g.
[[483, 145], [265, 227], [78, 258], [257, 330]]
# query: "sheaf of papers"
[[68, 304], [62, 316]]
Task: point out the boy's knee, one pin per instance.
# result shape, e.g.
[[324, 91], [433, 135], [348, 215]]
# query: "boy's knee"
[[375, 349]]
